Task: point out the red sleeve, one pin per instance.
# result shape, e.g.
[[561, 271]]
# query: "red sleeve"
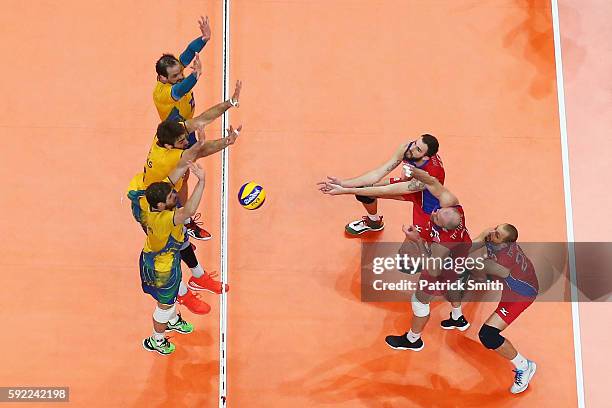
[[437, 172]]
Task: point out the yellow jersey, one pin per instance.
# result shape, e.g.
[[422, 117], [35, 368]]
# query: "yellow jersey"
[[164, 238], [168, 108], [160, 163]]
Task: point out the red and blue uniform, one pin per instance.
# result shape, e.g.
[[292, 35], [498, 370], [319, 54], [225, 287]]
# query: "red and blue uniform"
[[520, 286], [424, 202], [458, 242]]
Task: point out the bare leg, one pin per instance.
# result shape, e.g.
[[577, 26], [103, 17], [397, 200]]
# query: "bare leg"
[[371, 208], [454, 297]]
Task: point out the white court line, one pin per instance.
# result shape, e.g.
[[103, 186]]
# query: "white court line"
[[569, 218], [224, 216]]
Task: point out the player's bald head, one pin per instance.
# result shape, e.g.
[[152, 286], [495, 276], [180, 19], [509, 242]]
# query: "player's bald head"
[[448, 218]]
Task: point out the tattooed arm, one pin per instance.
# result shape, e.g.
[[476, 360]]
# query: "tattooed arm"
[[372, 177], [386, 189]]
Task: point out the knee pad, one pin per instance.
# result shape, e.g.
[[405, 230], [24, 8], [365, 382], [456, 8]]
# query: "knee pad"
[[419, 309], [188, 256], [365, 199], [490, 338], [163, 315]]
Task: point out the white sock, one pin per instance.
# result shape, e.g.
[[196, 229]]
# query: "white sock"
[[159, 337], [197, 271], [182, 289], [456, 312], [374, 217], [174, 317], [412, 337], [519, 362]]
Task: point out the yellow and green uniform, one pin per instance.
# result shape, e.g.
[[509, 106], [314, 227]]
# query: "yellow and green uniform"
[[160, 270], [176, 101], [160, 163], [168, 108]]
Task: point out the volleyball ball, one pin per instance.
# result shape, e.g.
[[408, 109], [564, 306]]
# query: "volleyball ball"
[[251, 195]]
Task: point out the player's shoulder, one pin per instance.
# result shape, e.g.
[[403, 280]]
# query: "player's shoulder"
[[161, 90], [155, 147], [435, 161], [161, 219]]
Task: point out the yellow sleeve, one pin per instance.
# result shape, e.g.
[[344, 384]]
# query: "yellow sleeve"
[[137, 183], [162, 97], [163, 223]]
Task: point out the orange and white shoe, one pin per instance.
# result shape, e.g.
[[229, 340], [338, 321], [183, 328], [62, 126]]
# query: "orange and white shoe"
[[193, 303], [206, 282]]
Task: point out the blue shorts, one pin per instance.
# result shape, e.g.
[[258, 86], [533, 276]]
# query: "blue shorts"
[[164, 291]]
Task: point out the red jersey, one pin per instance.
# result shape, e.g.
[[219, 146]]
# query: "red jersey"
[[522, 279], [457, 240], [434, 168]]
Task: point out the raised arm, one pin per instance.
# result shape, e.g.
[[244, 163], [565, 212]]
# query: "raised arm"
[[213, 113], [188, 156], [181, 88], [198, 44], [446, 198], [191, 206], [214, 146]]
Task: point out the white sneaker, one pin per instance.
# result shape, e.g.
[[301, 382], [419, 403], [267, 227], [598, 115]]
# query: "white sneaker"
[[365, 224], [522, 378]]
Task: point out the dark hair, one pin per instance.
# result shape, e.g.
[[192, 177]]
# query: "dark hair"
[[512, 232], [166, 61], [169, 131], [157, 193], [432, 144]]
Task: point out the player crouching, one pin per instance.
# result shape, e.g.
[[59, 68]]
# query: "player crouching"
[[506, 261]]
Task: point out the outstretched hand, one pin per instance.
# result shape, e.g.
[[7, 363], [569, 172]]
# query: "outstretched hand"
[[334, 180], [235, 99], [196, 66], [330, 188], [204, 28], [196, 169], [200, 133], [232, 134], [486, 234], [411, 232]]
